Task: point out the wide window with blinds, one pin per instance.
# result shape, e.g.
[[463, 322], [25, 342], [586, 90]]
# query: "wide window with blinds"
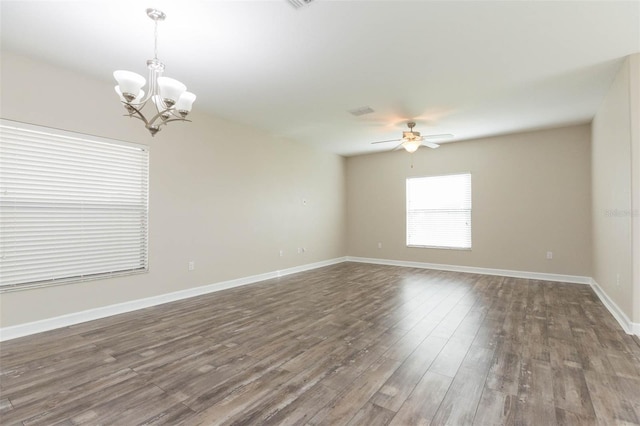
[[439, 211], [72, 207]]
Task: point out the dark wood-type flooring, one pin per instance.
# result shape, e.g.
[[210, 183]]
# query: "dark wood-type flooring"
[[347, 344]]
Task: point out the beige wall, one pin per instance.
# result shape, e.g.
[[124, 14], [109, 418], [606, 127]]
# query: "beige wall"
[[634, 113], [230, 197], [531, 194], [615, 165], [226, 196]]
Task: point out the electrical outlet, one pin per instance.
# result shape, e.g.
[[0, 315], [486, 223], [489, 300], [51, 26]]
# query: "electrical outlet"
[[379, 245], [192, 265], [549, 255], [281, 253]]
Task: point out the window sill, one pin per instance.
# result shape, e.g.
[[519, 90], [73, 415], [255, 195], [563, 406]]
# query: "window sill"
[[440, 247], [63, 281]]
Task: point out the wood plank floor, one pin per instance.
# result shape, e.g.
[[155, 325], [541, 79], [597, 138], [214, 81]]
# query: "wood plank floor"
[[347, 344]]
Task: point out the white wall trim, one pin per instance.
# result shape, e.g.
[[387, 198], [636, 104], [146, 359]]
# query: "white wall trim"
[[622, 318], [624, 321], [21, 330], [575, 279]]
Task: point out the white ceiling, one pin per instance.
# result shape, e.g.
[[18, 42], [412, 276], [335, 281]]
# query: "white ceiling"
[[473, 69]]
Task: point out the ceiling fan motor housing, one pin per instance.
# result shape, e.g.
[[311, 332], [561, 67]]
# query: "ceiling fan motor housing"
[[410, 135]]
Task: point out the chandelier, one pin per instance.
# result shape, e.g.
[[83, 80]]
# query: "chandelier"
[[169, 98]]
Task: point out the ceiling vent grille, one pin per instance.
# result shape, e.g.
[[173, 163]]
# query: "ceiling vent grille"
[[361, 111], [299, 3]]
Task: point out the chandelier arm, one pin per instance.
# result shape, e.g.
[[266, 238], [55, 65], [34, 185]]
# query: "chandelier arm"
[[166, 111], [138, 114], [175, 119], [158, 115], [175, 113], [134, 116]]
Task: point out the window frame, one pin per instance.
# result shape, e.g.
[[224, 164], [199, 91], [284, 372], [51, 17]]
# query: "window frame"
[[470, 212]]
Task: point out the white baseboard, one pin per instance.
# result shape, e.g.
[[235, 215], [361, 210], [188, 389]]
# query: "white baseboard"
[[627, 325], [21, 330], [624, 321], [575, 279]]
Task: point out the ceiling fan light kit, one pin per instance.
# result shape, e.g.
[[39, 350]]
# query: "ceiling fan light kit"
[[169, 97], [411, 146]]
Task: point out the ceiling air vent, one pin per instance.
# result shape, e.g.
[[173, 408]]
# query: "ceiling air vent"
[[299, 3], [361, 111]]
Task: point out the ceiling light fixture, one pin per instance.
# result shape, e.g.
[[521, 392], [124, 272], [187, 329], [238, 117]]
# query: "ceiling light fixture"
[[412, 145], [411, 140], [170, 98]]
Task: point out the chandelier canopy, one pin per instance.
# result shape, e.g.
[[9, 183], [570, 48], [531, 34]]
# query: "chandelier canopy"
[[170, 99]]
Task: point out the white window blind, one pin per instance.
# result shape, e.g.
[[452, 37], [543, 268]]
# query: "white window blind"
[[439, 211], [72, 207]]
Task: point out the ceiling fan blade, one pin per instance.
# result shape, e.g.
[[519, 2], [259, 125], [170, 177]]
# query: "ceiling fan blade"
[[441, 137], [398, 147], [430, 144], [390, 140]]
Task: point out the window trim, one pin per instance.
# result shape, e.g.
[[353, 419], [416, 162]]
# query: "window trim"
[[56, 132], [406, 212]]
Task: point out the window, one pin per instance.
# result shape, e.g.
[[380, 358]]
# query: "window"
[[72, 207], [439, 211]]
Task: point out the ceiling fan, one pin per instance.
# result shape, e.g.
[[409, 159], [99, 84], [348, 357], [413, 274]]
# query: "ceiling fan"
[[411, 140]]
